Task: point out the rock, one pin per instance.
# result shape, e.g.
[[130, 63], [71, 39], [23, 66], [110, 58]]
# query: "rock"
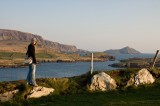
[[102, 82], [8, 96], [65, 60], [118, 65], [144, 77], [39, 91], [134, 63], [131, 81]]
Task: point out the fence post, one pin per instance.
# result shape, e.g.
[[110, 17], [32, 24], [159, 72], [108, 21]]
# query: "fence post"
[[91, 63], [154, 60]]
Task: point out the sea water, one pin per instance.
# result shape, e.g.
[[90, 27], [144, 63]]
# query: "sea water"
[[59, 70]]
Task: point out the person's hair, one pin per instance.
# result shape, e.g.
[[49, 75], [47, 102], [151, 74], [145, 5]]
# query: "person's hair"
[[34, 40]]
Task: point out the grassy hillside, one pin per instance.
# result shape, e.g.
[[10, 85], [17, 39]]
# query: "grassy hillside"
[[16, 59], [74, 92]]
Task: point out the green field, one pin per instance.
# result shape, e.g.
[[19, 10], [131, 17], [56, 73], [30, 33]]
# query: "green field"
[[149, 96], [14, 55], [73, 92], [142, 96]]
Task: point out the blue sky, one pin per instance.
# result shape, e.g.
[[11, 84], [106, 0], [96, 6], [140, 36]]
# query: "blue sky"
[[89, 24]]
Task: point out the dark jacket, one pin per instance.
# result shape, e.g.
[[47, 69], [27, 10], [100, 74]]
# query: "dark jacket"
[[31, 53]]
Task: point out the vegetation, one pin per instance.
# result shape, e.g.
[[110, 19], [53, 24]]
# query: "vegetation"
[[14, 55], [15, 59], [100, 55], [74, 91], [5, 55]]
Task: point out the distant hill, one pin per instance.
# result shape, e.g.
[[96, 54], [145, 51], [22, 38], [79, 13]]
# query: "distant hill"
[[125, 50], [17, 41]]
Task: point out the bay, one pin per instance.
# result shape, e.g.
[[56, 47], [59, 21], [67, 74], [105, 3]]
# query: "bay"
[[59, 70]]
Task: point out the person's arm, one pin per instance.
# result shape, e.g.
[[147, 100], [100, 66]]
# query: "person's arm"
[[34, 58], [27, 52]]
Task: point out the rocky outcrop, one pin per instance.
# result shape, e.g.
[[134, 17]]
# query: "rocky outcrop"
[[102, 82], [8, 96], [135, 63], [39, 91], [61, 47], [131, 81], [125, 50], [144, 77], [36, 92], [18, 36], [65, 60]]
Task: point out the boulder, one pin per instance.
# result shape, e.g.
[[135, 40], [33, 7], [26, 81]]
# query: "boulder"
[[8, 95], [102, 82], [131, 81], [144, 77], [39, 91]]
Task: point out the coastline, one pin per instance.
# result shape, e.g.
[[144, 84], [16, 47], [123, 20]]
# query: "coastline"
[[20, 63]]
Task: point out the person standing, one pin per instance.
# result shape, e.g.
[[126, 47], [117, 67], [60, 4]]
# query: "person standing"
[[32, 67]]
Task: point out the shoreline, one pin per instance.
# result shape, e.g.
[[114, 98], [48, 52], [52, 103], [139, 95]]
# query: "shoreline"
[[23, 65], [136, 63]]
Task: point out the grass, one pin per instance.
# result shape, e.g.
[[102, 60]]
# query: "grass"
[[155, 72], [14, 55], [44, 55], [5, 55], [53, 55], [148, 96], [74, 92], [122, 76]]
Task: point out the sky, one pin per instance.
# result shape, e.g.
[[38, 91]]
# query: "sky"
[[94, 25]]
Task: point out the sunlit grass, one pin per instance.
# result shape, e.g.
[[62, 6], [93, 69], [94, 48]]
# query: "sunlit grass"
[[74, 92]]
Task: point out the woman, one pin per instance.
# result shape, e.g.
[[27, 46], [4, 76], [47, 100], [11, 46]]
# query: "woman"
[[32, 67]]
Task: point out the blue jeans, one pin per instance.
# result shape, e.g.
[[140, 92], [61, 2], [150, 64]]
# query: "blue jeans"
[[31, 74]]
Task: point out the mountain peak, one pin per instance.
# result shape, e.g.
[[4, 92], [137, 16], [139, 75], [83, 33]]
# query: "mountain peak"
[[127, 47], [125, 50]]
